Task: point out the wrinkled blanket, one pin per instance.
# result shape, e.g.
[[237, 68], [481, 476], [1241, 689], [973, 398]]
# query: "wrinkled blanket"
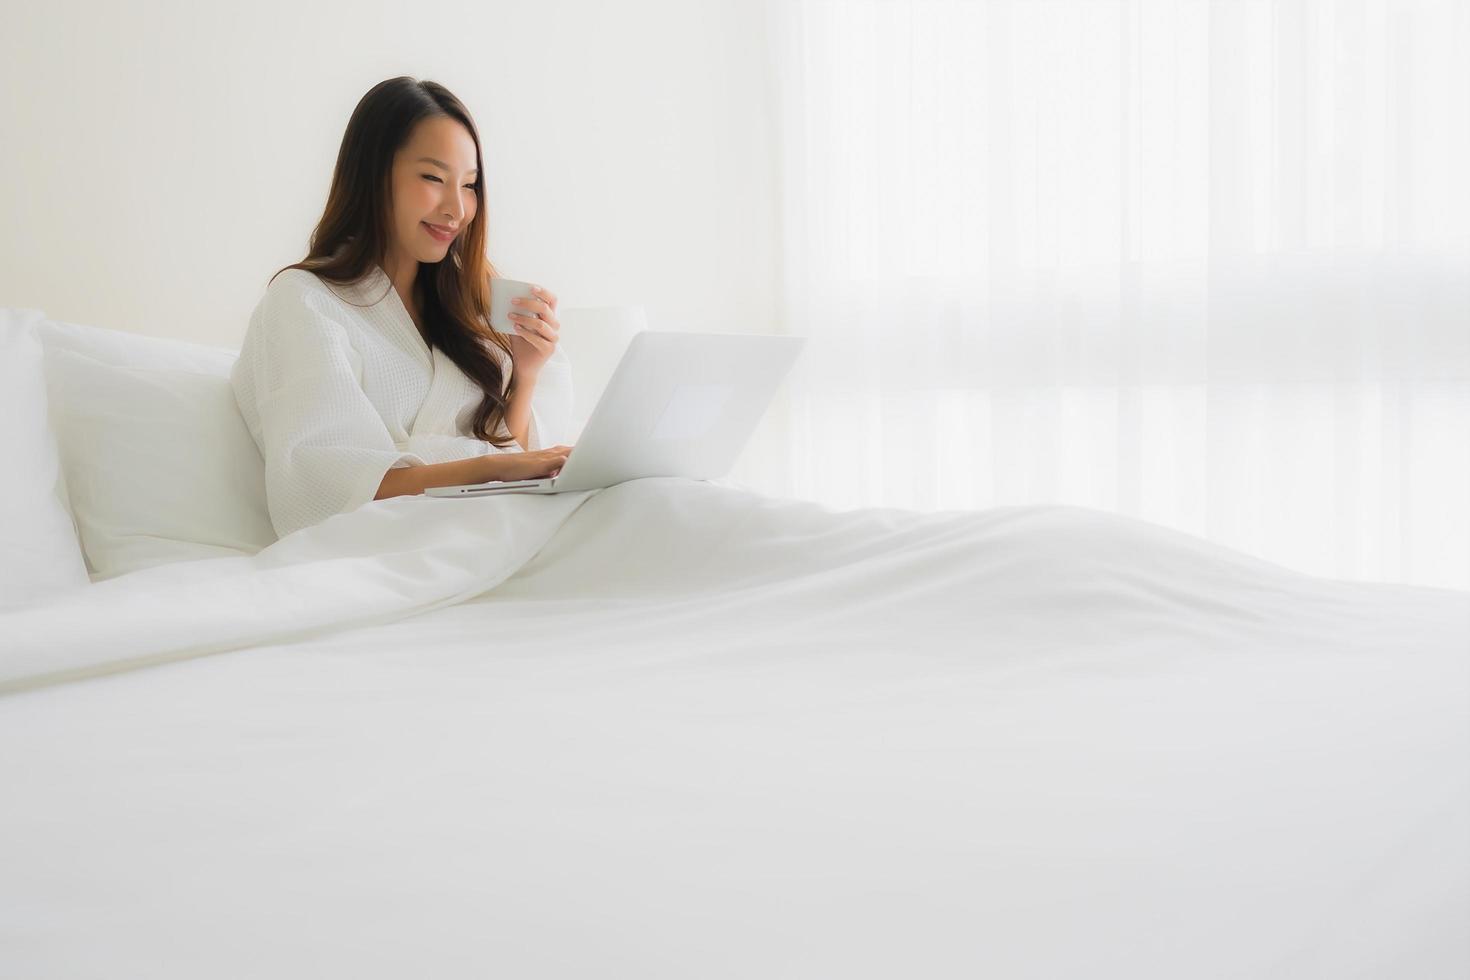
[[674, 728]]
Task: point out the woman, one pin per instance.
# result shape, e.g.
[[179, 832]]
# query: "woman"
[[369, 368]]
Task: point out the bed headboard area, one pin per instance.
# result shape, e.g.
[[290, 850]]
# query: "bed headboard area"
[[156, 464], [594, 339]]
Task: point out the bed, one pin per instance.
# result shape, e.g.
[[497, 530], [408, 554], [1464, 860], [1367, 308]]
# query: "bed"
[[681, 728]]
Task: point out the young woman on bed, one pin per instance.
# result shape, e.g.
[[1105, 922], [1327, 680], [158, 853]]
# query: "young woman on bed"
[[369, 369]]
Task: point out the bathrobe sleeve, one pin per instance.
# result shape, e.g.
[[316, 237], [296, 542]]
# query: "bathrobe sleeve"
[[551, 403], [298, 384]]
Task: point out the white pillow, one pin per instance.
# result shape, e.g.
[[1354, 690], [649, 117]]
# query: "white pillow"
[[39, 552], [134, 349], [159, 464]]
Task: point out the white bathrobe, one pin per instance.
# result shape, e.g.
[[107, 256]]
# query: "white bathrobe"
[[336, 394]]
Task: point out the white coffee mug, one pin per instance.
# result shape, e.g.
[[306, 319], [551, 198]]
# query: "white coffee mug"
[[502, 291]]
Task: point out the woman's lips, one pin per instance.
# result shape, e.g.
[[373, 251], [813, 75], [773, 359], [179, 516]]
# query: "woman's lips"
[[440, 233]]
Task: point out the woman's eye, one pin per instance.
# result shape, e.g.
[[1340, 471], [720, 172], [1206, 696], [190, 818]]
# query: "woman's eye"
[[432, 177]]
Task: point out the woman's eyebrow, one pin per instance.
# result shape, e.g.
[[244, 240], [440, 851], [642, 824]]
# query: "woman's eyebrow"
[[439, 163]]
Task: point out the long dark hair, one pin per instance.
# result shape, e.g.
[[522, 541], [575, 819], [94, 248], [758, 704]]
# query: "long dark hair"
[[352, 236]]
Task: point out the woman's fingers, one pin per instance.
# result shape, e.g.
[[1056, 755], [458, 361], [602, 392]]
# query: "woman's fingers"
[[529, 324], [535, 306]]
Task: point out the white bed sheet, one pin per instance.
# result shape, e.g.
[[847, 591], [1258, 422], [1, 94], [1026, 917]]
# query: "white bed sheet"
[[694, 731]]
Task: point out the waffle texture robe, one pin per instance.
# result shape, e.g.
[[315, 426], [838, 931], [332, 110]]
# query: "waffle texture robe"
[[337, 386]]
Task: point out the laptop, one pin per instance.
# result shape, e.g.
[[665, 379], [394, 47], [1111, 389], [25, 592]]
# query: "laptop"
[[678, 404]]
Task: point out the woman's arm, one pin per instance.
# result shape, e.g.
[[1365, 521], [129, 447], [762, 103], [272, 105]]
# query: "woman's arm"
[[406, 480], [518, 412]]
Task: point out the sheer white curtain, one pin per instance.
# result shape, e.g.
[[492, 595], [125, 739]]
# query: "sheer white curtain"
[[1206, 264]]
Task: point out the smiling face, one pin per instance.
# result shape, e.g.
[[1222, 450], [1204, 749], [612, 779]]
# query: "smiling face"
[[433, 190]]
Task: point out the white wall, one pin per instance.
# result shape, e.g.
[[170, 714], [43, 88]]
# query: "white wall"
[[162, 160]]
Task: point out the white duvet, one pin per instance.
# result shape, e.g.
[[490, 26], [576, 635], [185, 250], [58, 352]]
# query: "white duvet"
[[681, 729]]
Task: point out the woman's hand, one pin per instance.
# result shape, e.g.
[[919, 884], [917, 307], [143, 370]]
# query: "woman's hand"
[[537, 330], [531, 465]]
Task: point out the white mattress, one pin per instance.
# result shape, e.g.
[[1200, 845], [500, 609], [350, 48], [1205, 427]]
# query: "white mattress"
[[677, 729]]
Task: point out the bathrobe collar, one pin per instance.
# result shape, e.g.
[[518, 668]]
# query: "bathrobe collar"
[[449, 389], [376, 289]]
